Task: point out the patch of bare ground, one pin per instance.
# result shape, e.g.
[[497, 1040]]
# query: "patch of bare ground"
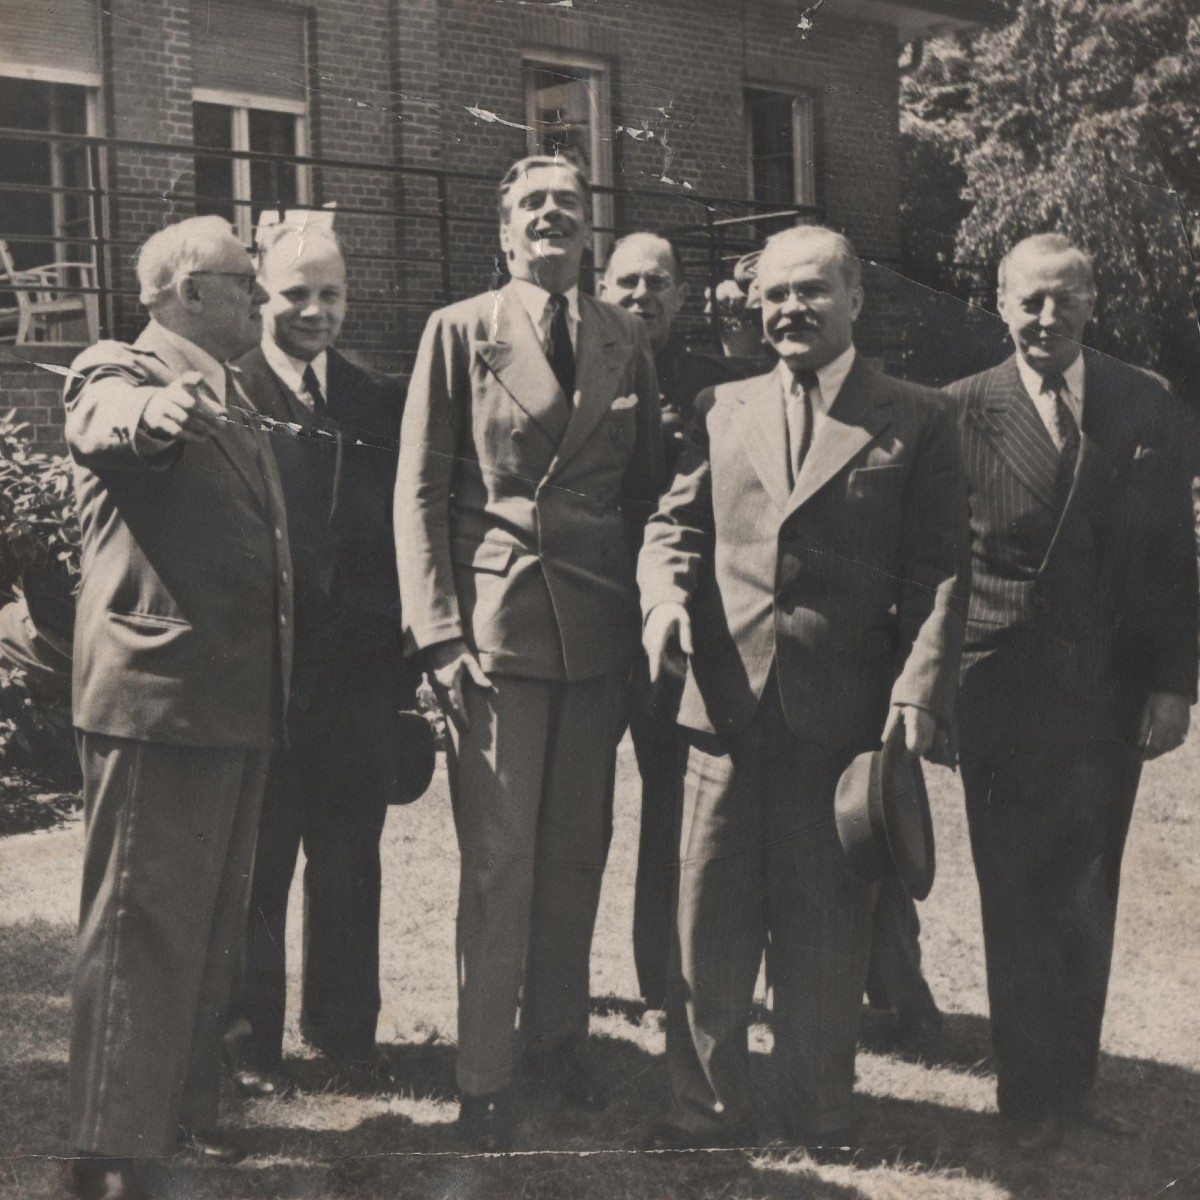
[[929, 1131]]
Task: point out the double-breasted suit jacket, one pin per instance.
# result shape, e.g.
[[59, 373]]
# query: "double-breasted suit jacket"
[[1084, 601], [852, 583], [813, 607], [519, 513], [183, 644], [519, 510], [348, 758]]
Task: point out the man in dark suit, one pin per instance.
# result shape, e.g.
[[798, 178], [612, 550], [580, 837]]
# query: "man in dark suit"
[[181, 660], [645, 277], [810, 560], [330, 787], [530, 454], [1080, 662]]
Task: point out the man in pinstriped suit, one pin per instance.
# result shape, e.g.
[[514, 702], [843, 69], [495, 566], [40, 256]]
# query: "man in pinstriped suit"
[[1080, 662], [811, 559]]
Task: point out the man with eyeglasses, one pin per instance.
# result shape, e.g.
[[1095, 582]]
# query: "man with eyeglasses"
[[645, 277], [181, 661]]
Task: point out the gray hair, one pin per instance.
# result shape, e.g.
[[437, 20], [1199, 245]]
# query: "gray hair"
[[1046, 245], [837, 243], [174, 251]]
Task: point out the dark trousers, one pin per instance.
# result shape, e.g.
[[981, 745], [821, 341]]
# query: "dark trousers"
[[761, 867], [1050, 793], [169, 843], [340, 827], [660, 753], [894, 978]]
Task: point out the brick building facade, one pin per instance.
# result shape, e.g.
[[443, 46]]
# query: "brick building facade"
[[690, 110]]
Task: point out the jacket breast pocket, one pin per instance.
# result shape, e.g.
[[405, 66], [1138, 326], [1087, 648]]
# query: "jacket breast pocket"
[[882, 483], [490, 557]]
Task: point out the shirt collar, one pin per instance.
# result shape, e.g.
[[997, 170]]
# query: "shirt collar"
[[1073, 377], [830, 379], [534, 301], [291, 370], [196, 359]]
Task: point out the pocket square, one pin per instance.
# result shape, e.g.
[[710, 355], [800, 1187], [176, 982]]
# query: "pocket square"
[[621, 403]]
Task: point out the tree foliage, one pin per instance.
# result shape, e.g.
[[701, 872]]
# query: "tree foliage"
[[1081, 116]]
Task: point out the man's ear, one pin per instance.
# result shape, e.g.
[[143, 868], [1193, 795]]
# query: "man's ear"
[[856, 303], [681, 290], [601, 287], [188, 291]]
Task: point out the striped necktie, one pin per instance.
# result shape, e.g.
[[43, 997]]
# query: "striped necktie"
[[800, 418]]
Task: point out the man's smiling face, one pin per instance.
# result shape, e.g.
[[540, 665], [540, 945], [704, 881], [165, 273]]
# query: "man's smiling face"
[[545, 227]]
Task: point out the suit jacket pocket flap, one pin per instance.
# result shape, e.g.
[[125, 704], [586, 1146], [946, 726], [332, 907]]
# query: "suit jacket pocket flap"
[[482, 556], [869, 481]]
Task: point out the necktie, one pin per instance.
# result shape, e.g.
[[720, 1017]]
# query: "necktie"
[[558, 346], [800, 418], [313, 388], [1065, 427]]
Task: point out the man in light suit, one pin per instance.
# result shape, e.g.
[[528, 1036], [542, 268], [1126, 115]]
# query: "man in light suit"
[[181, 661], [810, 561], [1080, 662], [331, 786], [530, 455]]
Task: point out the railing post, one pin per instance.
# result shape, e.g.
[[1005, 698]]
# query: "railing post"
[[96, 196], [444, 237], [714, 270]]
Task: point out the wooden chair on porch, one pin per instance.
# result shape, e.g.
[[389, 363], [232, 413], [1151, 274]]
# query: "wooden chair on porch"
[[47, 304]]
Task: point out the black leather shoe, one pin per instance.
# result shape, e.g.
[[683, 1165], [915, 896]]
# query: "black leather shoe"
[[667, 1138], [486, 1123], [210, 1146], [563, 1068], [94, 1177], [1090, 1115]]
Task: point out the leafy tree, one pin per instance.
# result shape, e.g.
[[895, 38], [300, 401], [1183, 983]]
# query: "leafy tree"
[[1081, 116]]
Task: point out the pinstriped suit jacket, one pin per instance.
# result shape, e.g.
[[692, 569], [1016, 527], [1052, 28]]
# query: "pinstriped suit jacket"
[[853, 583], [1100, 590]]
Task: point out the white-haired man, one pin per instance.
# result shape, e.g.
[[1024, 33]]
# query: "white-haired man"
[[182, 652], [810, 561]]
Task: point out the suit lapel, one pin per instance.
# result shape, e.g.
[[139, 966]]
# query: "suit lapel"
[[1012, 426], [601, 353], [860, 413], [764, 434], [516, 358]]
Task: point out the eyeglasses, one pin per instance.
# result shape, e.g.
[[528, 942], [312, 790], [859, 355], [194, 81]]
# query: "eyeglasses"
[[247, 278], [656, 281]]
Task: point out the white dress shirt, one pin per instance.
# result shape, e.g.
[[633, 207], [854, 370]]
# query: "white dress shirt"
[[1043, 401], [830, 378], [536, 302], [291, 370]]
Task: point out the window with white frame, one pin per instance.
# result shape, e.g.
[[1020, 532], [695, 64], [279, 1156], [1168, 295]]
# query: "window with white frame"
[[781, 147], [567, 113], [240, 188], [249, 93]]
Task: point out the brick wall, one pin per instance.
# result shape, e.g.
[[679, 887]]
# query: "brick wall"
[[32, 394]]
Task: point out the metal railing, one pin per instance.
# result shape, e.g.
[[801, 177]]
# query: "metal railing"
[[454, 208]]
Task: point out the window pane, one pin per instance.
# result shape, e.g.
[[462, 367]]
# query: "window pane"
[[560, 103], [25, 104], [212, 129], [272, 185], [773, 164]]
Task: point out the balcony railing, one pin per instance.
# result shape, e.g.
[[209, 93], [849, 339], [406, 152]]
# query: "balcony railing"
[[412, 210]]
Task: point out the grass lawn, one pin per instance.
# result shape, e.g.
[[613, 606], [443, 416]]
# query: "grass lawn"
[[929, 1132]]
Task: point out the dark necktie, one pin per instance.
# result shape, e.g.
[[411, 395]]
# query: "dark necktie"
[[800, 418], [558, 346], [313, 388], [1068, 431]]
